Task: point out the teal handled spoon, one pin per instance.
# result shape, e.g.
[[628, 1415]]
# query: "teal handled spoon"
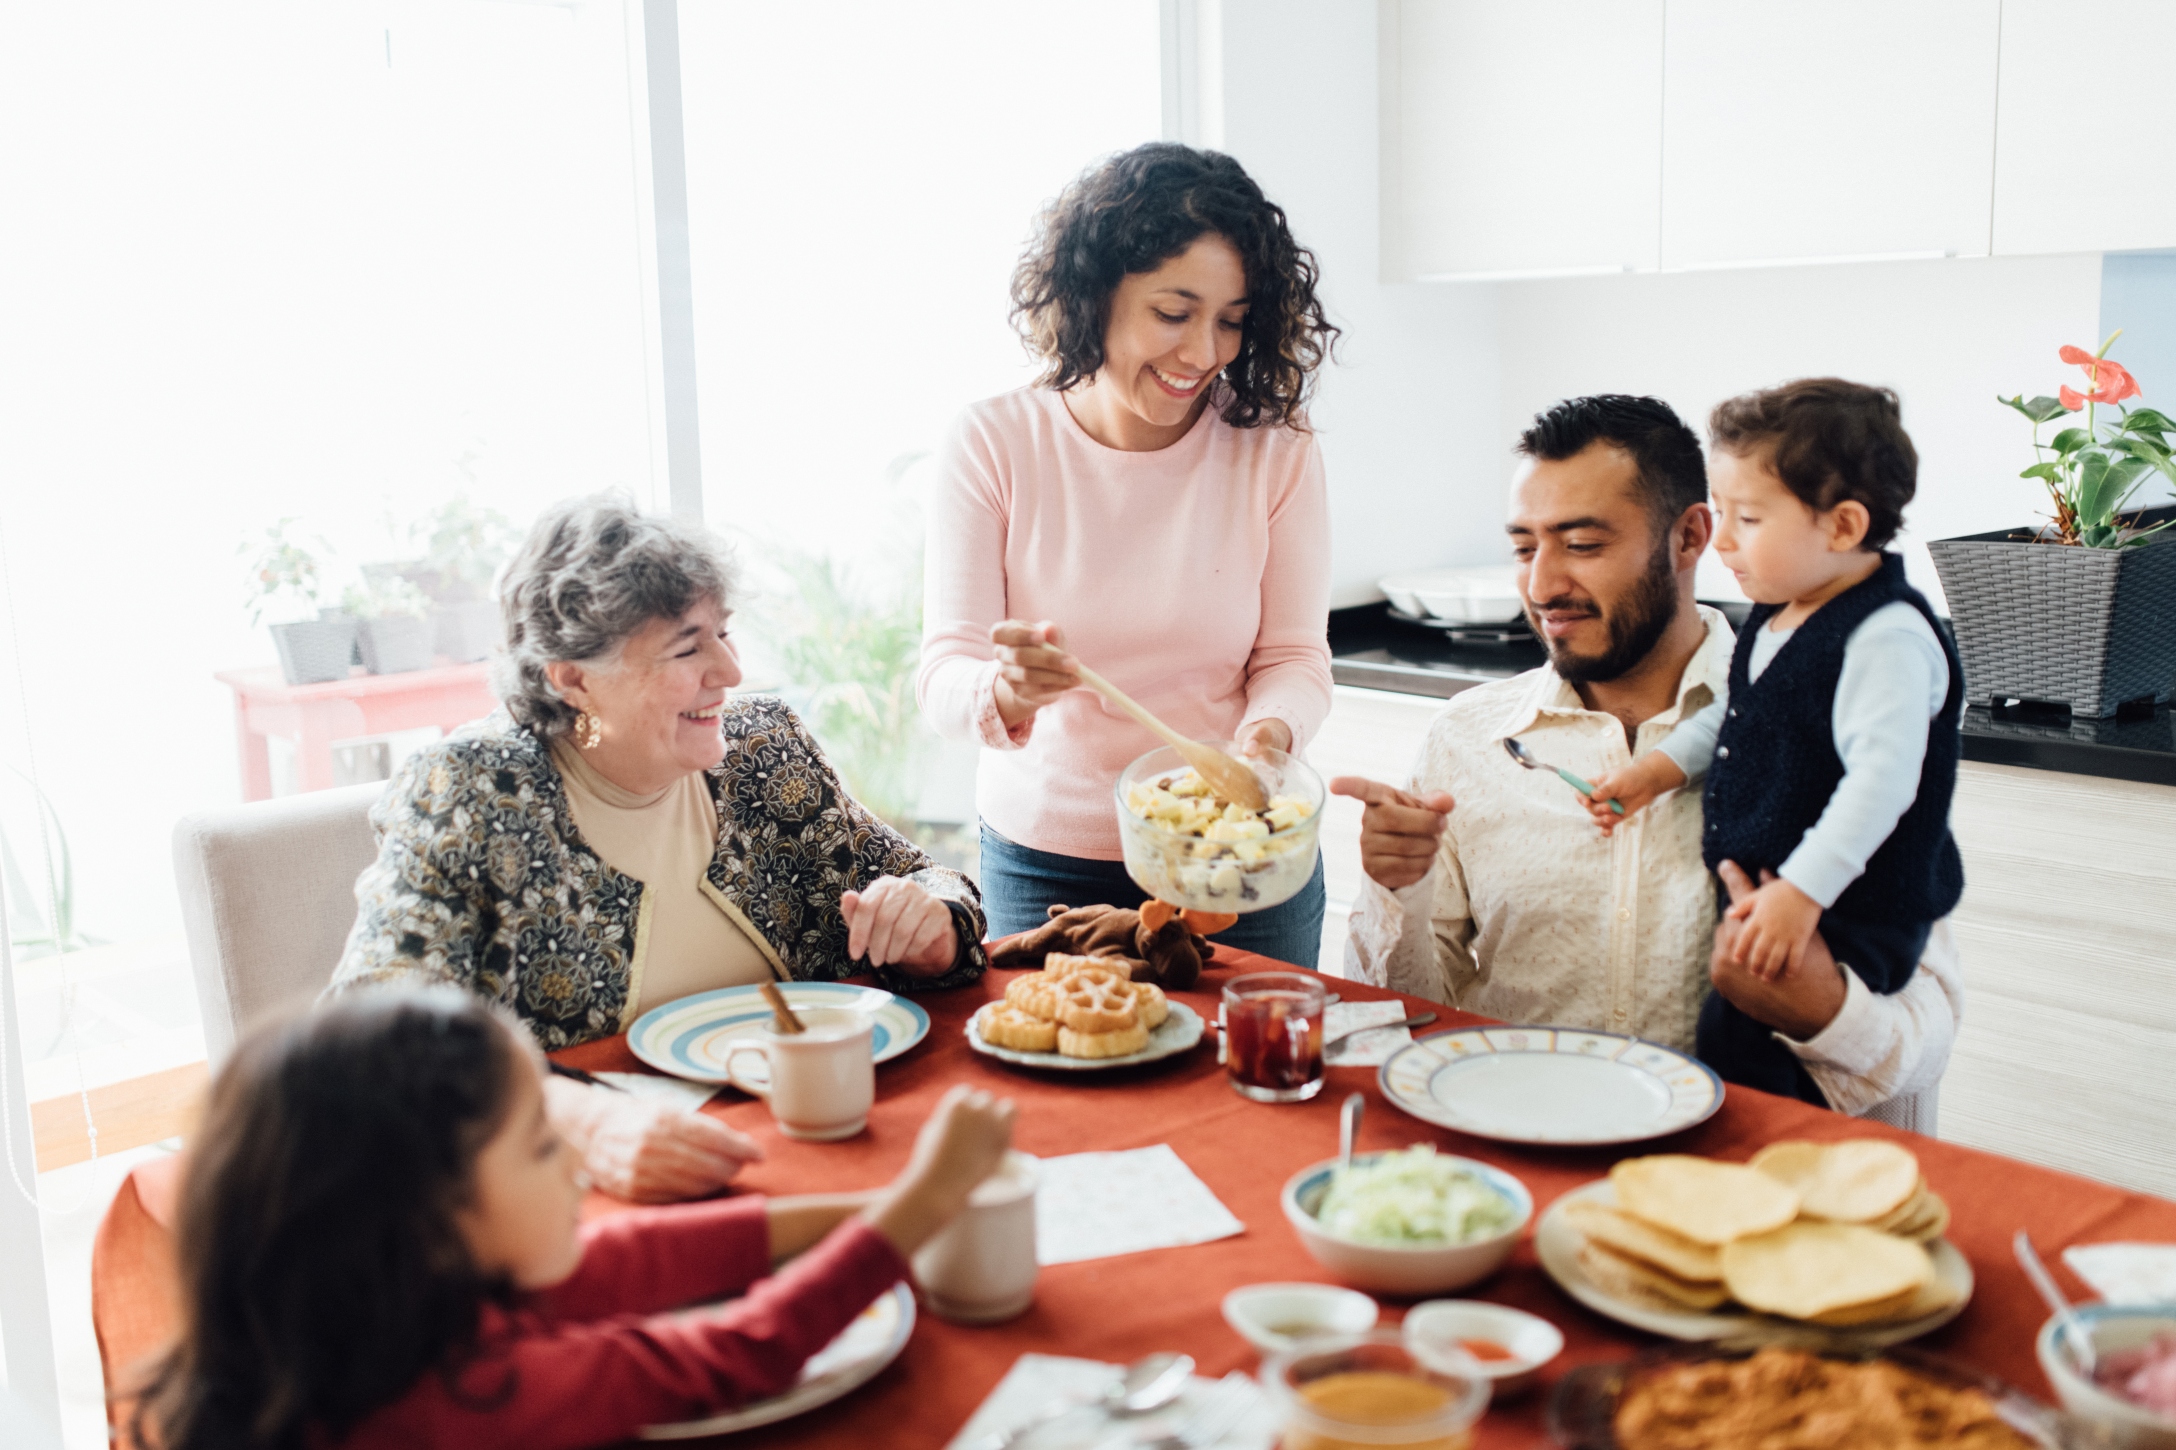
[[1519, 753]]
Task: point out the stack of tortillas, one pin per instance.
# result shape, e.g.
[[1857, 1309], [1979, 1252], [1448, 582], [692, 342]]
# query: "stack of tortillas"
[[1831, 1233]]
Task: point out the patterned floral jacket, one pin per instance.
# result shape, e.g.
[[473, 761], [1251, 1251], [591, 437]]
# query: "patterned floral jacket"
[[482, 880]]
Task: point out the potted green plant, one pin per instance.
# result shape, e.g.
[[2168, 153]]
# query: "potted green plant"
[[396, 634], [464, 546], [2075, 611], [282, 591]]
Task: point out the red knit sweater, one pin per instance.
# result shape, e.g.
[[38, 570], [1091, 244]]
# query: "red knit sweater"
[[596, 1358]]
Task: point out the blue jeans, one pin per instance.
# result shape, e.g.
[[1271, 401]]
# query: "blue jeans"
[[1020, 884]]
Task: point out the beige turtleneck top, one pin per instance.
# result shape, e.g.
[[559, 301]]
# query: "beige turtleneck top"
[[688, 941]]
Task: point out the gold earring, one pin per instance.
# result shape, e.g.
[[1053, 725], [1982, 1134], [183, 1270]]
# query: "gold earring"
[[588, 730]]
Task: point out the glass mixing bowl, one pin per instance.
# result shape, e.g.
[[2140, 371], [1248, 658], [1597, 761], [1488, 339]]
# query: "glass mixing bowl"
[[1219, 876]]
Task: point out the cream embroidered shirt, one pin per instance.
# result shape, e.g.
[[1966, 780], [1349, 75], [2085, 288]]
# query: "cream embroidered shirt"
[[1530, 914], [685, 942]]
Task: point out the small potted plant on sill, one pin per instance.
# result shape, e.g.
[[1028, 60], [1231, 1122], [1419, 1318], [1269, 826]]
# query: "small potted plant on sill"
[[2075, 611], [464, 547], [314, 646], [396, 632]]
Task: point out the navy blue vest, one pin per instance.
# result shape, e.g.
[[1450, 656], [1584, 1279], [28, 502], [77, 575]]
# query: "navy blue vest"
[[1776, 765]]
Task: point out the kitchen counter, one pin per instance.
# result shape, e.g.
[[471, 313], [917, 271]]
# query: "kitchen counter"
[[1371, 650]]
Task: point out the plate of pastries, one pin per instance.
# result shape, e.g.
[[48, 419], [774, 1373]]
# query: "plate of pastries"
[[1082, 1014], [1825, 1243]]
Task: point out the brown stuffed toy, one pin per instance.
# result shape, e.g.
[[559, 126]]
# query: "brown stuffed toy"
[[1166, 946]]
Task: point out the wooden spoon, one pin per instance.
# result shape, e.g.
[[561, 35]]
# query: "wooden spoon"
[[788, 1023], [1233, 780]]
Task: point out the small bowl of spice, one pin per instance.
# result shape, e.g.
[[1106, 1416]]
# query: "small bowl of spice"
[[1369, 1390], [1274, 1317], [1507, 1346]]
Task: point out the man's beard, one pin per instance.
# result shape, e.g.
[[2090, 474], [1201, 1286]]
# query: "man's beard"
[[1636, 625]]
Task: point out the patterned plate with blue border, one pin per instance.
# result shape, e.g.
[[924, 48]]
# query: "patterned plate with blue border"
[[688, 1038], [1550, 1085]]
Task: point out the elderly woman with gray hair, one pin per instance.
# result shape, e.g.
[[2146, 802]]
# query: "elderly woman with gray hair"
[[625, 832]]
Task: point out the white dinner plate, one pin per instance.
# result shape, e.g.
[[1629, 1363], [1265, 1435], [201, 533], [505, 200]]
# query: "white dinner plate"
[[1175, 1034], [1557, 1244], [689, 1037], [844, 1365], [1550, 1085]]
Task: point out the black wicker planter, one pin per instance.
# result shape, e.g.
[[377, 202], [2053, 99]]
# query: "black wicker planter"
[[2093, 629]]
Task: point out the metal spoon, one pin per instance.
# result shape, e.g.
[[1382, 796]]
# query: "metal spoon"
[[1525, 758], [1419, 1020], [2081, 1343], [1348, 1128], [1148, 1384]]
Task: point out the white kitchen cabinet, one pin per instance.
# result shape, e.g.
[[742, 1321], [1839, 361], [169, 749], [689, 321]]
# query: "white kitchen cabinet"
[[1827, 130], [2066, 934], [1520, 139], [2086, 122]]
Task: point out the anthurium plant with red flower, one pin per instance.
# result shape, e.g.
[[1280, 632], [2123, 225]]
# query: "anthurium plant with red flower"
[[2095, 470]]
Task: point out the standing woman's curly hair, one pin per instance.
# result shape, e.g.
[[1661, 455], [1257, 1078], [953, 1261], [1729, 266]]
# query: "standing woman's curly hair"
[[1137, 211], [322, 1269]]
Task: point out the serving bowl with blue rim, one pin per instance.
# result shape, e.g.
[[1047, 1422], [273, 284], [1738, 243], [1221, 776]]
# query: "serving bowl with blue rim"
[[689, 1037], [2113, 1328], [1404, 1269]]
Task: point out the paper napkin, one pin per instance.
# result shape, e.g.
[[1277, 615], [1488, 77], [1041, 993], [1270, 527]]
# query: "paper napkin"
[[2127, 1273], [1369, 1048], [1095, 1205], [1037, 1383]]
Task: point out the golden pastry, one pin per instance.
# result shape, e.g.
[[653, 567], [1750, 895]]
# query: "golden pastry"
[[1004, 1025], [1034, 994], [1119, 1043], [1092, 1001], [1154, 1007]]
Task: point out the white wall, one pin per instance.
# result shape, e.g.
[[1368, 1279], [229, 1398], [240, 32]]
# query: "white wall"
[[1436, 380], [1947, 335], [1410, 418]]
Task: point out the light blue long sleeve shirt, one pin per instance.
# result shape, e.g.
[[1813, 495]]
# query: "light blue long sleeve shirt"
[[1895, 678]]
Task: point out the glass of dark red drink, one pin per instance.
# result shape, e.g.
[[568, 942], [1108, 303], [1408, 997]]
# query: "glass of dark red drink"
[[1273, 1035]]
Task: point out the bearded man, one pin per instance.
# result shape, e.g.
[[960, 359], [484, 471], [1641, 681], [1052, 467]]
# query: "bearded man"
[[1490, 887]]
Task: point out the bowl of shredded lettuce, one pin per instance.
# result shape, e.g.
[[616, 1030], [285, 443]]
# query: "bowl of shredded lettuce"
[[1412, 1221]]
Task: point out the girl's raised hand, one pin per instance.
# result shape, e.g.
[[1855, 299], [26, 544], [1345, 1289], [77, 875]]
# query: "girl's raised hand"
[[963, 1142]]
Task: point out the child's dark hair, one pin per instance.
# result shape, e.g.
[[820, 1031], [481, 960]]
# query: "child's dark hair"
[[1133, 213], [1828, 440], [322, 1270]]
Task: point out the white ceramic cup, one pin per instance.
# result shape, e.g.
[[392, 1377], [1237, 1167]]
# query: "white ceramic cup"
[[822, 1081], [980, 1268]]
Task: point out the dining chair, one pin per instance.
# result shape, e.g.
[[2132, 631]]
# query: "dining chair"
[[267, 899]]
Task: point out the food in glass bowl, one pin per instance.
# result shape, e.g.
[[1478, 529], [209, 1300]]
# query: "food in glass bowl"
[[1184, 846]]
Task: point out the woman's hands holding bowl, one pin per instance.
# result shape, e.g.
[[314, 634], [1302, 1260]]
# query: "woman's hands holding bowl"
[[1034, 668], [897, 923]]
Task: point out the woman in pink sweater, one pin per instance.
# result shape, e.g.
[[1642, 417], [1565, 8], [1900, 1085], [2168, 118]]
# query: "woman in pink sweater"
[[1155, 503]]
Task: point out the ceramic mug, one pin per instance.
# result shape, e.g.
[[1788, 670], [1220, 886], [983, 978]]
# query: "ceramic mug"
[[980, 1268], [822, 1081]]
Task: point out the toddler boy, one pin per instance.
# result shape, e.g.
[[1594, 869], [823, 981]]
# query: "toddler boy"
[[1831, 762]]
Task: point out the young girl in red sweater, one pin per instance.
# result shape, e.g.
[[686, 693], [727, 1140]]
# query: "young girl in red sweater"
[[379, 1245]]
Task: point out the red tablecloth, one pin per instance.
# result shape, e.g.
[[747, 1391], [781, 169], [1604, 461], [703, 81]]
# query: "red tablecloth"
[[1118, 1309]]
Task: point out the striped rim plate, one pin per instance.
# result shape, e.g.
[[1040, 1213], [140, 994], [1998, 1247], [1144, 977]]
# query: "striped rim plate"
[[689, 1037], [1551, 1085]]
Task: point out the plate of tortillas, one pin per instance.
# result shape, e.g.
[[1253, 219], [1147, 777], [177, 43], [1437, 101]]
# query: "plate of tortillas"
[[1835, 1244]]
